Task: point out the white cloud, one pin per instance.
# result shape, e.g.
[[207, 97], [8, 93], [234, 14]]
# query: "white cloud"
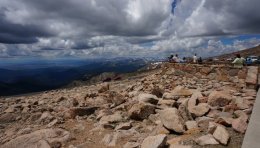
[[120, 27]]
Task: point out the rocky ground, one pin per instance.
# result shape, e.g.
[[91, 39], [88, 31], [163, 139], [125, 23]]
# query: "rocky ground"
[[176, 106]]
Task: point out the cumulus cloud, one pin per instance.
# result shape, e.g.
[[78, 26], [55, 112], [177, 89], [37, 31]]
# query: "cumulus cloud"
[[124, 27]]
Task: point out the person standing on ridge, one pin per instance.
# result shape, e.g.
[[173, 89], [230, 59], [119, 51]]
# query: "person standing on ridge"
[[176, 59], [195, 59], [239, 61]]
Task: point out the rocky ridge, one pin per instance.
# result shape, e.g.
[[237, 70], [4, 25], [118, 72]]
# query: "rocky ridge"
[[173, 106]]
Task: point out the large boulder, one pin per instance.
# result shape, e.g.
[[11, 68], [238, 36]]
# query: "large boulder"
[[219, 98], [41, 139], [141, 111], [158, 141], [172, 120]]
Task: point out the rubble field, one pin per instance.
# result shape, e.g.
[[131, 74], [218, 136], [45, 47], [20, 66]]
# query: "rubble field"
[[175, 106]]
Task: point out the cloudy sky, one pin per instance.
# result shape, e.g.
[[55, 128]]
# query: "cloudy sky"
[[119, 28]]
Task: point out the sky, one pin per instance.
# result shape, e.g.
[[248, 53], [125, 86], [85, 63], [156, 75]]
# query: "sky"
[[126, 28]]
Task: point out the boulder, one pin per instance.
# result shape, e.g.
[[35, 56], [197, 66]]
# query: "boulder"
[[219, 98], [148, 98], [141, 111], [206, 140], [172, 120], [41, 138], [158, 141], [222, 135]]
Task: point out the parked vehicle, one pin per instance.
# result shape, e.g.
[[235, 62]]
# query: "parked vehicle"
[[252, 60]]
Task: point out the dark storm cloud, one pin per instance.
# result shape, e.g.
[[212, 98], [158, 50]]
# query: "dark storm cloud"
[[99, 17], [11, 33], [214, 18]]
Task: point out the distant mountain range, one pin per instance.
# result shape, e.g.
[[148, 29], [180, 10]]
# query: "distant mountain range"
[[244, 53], [33, 79]]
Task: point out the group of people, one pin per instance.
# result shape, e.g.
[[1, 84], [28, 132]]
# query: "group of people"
[[175, 58], [239, 61]]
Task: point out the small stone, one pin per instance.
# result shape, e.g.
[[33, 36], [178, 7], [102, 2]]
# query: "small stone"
[[222, 135], [158, 141], [206, 140]]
